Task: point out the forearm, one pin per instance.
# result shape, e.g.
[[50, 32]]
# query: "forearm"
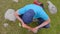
[[43, 24], [18, 18], [28, 27]]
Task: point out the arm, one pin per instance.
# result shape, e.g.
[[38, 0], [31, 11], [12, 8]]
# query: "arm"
[[23, 24], [35, 30], [18, 17], [43, 24]]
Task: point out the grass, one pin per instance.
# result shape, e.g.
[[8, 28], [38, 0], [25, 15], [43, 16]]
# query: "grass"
[[14, 28]]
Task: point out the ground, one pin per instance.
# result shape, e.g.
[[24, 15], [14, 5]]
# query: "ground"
[[14, 28]]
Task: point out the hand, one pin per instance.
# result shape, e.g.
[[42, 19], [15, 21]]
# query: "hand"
[[24, 25], [35, 30]]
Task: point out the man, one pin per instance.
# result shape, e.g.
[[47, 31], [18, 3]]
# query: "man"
[[29, 12], [38, 3]]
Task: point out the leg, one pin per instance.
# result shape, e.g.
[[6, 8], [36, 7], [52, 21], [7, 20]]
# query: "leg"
[[27, 17], [40, 21]]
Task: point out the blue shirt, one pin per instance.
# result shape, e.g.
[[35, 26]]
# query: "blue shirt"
[[39, 12]]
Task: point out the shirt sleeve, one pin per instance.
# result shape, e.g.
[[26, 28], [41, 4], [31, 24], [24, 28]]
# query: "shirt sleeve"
[[21, 11], [44, 16]]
